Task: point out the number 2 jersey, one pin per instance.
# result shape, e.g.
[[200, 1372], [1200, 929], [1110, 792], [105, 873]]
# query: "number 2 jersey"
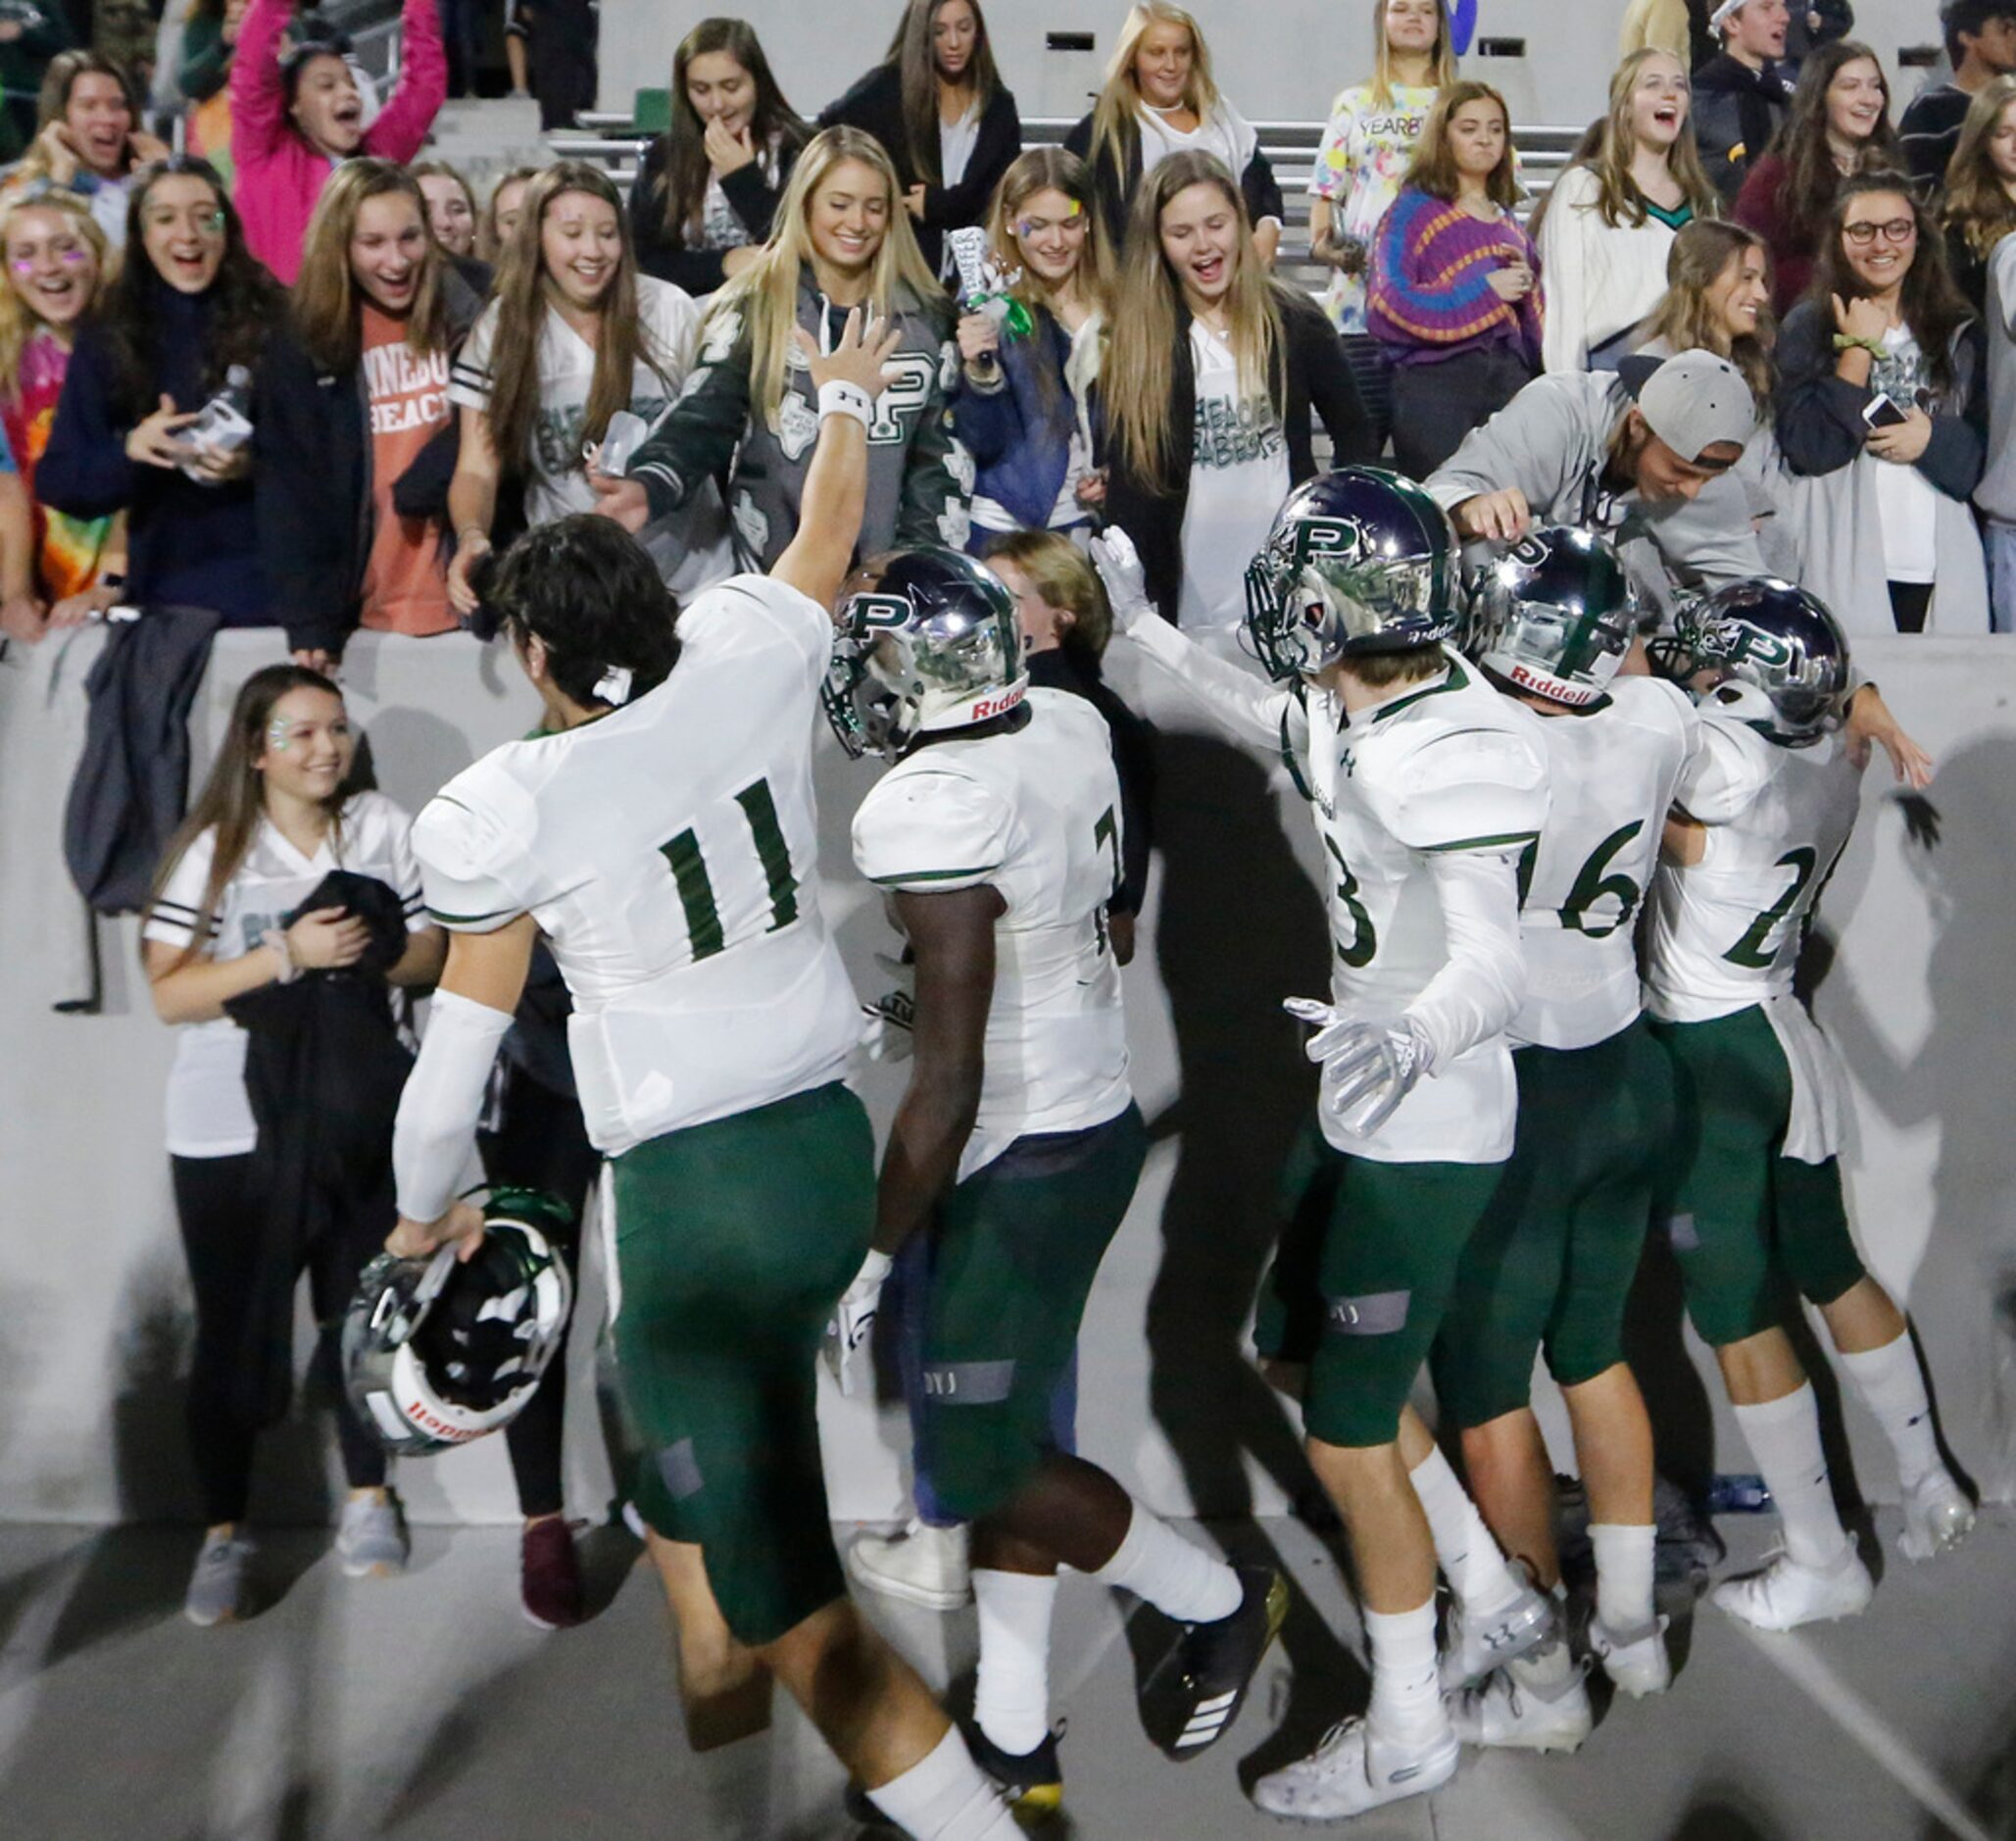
[[1726, 932], [1614, 770], [669, 850], [1448, 769], [1033, 813]]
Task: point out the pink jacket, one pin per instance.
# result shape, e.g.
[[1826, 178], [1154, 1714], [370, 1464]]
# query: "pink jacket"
[[280, 175]]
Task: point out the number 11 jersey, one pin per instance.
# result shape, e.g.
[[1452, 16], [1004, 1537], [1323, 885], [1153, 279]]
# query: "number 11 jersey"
[[669, 850]]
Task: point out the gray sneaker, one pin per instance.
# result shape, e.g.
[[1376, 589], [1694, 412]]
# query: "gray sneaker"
[[372, 1540], [218, 1590]]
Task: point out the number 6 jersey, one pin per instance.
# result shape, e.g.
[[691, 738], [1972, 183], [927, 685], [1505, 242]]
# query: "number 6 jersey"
[[1034, 814], [669, 850]]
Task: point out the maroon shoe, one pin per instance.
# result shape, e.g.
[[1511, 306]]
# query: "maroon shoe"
[[549, 1574]]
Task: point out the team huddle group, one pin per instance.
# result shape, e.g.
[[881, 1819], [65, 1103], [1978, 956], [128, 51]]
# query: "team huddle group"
[[1578, 761]]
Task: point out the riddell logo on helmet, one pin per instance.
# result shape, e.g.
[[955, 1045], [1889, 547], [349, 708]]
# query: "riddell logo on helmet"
[[1557, 688], [999, 705]]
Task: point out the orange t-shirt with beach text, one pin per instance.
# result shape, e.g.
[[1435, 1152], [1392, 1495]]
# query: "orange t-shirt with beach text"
[[404, 579]]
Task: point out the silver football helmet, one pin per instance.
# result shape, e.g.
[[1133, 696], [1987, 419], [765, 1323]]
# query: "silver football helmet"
[[1779, 638], [1554, 616], [925, 640]]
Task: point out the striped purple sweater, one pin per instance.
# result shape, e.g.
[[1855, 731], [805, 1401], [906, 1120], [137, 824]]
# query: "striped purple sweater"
[[1429, 298]]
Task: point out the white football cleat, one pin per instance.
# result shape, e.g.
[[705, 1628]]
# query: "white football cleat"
[[1636, 1661], [922, 1565], [1786, 1594], [1479, 1646], [1354, 1769], [1938, 1517], [1515, 1710]]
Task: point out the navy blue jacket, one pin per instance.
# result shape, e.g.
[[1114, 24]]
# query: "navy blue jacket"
[[1019, 435], [189, 545]]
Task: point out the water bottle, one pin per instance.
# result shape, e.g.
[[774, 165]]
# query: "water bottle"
[[624, 437], [222, 425], [1740, 1494]]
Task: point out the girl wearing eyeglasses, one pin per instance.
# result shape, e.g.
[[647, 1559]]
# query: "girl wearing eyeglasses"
[[1882, 419]]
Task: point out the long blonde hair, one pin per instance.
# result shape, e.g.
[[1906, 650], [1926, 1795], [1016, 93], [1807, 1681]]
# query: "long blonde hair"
[[1137, 377], [1117, 115], [1978, 208], [626, 340], [1442, 61], [327, 302], [18, 321], [1618, 201], [765, 293]]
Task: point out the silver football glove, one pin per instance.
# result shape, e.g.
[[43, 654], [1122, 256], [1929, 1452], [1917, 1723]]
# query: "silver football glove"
[[1126, 583], [1368, 1068], [890, 1035], [847, 1353]]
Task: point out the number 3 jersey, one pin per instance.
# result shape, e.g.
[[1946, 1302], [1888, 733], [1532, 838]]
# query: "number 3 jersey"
[[1450, 769], [1033, 813], [669, 850], [1613, 770], [1726, 932]]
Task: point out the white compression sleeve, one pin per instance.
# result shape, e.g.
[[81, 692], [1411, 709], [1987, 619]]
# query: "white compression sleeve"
[[442, 1103], [1479, 991], [1247, 706]]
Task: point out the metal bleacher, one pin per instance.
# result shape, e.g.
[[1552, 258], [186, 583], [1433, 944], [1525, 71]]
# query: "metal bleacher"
[[618, 140]]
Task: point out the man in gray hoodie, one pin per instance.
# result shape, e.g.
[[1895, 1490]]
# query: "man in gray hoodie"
[[1642, 455]]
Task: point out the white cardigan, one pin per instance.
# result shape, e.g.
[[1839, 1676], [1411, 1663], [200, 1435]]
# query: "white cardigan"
[[1597, 280]]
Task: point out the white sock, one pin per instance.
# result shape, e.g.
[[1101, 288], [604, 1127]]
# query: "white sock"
[[943, 1797], [1011, 1696], [1892, 1387], [1406, 1695], [1623, 1574], [735, 1787], [1179, 1580], [1783, 1437], [1463, 1547]]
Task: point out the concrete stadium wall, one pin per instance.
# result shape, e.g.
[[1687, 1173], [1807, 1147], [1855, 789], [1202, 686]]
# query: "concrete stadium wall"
[[1561, 77], [93, 1300]]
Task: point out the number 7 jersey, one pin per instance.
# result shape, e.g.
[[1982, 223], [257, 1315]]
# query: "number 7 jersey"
[[1726, 932], [669, 850]]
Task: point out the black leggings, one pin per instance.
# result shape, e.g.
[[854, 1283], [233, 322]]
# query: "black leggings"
[[1437, 404], [222, 1220], [1909, 602], [540, 1143]]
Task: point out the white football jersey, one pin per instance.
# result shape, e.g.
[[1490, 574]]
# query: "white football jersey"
[[1612, 769], [1726, 932], [668, 850], [1450, 767], [1034, 814]]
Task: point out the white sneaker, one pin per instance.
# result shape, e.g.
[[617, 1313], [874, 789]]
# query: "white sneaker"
[[1786, 1594], [1354, 1769], [1513, 1709], [1636, 1662], [922, 1565], [218, 1589], [1938, 1517], [1479, 1646], [372, 1540]]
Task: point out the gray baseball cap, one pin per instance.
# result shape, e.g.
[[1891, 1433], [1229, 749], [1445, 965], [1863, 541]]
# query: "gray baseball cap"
[[1692, 400]]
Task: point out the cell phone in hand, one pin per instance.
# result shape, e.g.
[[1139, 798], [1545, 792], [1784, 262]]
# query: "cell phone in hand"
[[1884, 411]]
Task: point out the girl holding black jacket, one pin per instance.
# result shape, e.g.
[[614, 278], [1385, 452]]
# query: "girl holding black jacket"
[[1212, 374], [708, 188], [937, 104], [354, 404]]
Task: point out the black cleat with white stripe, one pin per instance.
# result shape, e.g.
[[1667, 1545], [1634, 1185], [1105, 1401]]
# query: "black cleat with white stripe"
[[1193, 1697]]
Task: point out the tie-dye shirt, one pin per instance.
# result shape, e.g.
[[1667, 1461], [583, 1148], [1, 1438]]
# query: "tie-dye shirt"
[[67, 549], [1364, 157]]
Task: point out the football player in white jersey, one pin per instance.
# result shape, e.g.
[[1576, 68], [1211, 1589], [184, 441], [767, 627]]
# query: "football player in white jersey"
[[1551, 1266], [661, 835], [1770, 802], [996, 838], [1425, 785]]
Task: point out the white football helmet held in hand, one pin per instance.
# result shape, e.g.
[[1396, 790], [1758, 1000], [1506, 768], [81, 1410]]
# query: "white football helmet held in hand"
[[1368, 1068], [1125, 581]]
